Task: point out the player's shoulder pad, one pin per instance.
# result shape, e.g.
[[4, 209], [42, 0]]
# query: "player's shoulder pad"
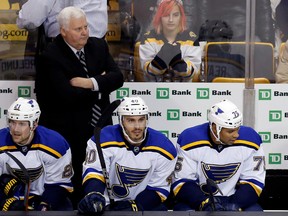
[[6, 142], [195, 137], [248, 137], [50, 141], [158, 142], [3, 136], [111, 137]]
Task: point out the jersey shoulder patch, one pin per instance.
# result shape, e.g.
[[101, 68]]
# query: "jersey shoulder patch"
[[248, 137], [158, 142], [6, 142], [50, 141], [195, 137], [111, 137]]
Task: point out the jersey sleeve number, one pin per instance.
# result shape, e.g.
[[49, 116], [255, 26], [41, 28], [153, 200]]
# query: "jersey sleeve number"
[[68, 171], [90, 157], [260, 161]]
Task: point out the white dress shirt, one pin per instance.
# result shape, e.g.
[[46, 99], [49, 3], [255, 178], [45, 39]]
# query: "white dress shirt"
[[35, 12]]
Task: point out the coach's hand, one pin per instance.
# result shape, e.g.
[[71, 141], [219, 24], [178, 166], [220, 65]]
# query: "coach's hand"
[[93, 202]]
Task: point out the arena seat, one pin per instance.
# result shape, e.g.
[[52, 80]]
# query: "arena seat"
[[239, 80], [227, 59]]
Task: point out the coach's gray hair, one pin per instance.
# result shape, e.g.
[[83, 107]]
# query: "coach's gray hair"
[[67, 13]]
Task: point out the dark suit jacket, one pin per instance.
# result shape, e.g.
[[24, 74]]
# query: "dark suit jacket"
[[68, 109]]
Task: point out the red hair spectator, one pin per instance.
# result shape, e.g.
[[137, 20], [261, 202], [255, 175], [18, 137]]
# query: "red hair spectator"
[[169, 52], [164, 9]]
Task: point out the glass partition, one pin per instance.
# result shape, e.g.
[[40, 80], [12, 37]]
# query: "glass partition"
[[16, 59], [215, 42]]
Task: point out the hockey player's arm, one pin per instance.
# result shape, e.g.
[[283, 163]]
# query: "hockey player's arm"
[[148, 199], [158, 187], [93, 201], [251, 182], [93, 185], [52, 196], [185, 186], [193, 199], [244, 196], [57, 185], [93, 179]]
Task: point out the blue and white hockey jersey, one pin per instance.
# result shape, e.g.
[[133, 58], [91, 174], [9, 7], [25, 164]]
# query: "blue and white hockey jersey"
[[131, 169], [47, 159], [242, 162]]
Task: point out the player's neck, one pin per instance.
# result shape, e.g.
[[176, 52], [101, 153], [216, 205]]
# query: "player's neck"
[[31, 136]]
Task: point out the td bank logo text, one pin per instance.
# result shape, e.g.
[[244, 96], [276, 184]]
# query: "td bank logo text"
[[264, 94], [266, 137], [173, 114], [204, 93], [122, 92], [164, 93], [275, 158], [275, 115], [24, 91]]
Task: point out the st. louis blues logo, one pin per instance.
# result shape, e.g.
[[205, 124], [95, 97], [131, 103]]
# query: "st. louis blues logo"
[[34, 173], [128, 177], [219, 111], [218, 173]]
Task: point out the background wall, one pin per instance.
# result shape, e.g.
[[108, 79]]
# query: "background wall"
[[175, 107]]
